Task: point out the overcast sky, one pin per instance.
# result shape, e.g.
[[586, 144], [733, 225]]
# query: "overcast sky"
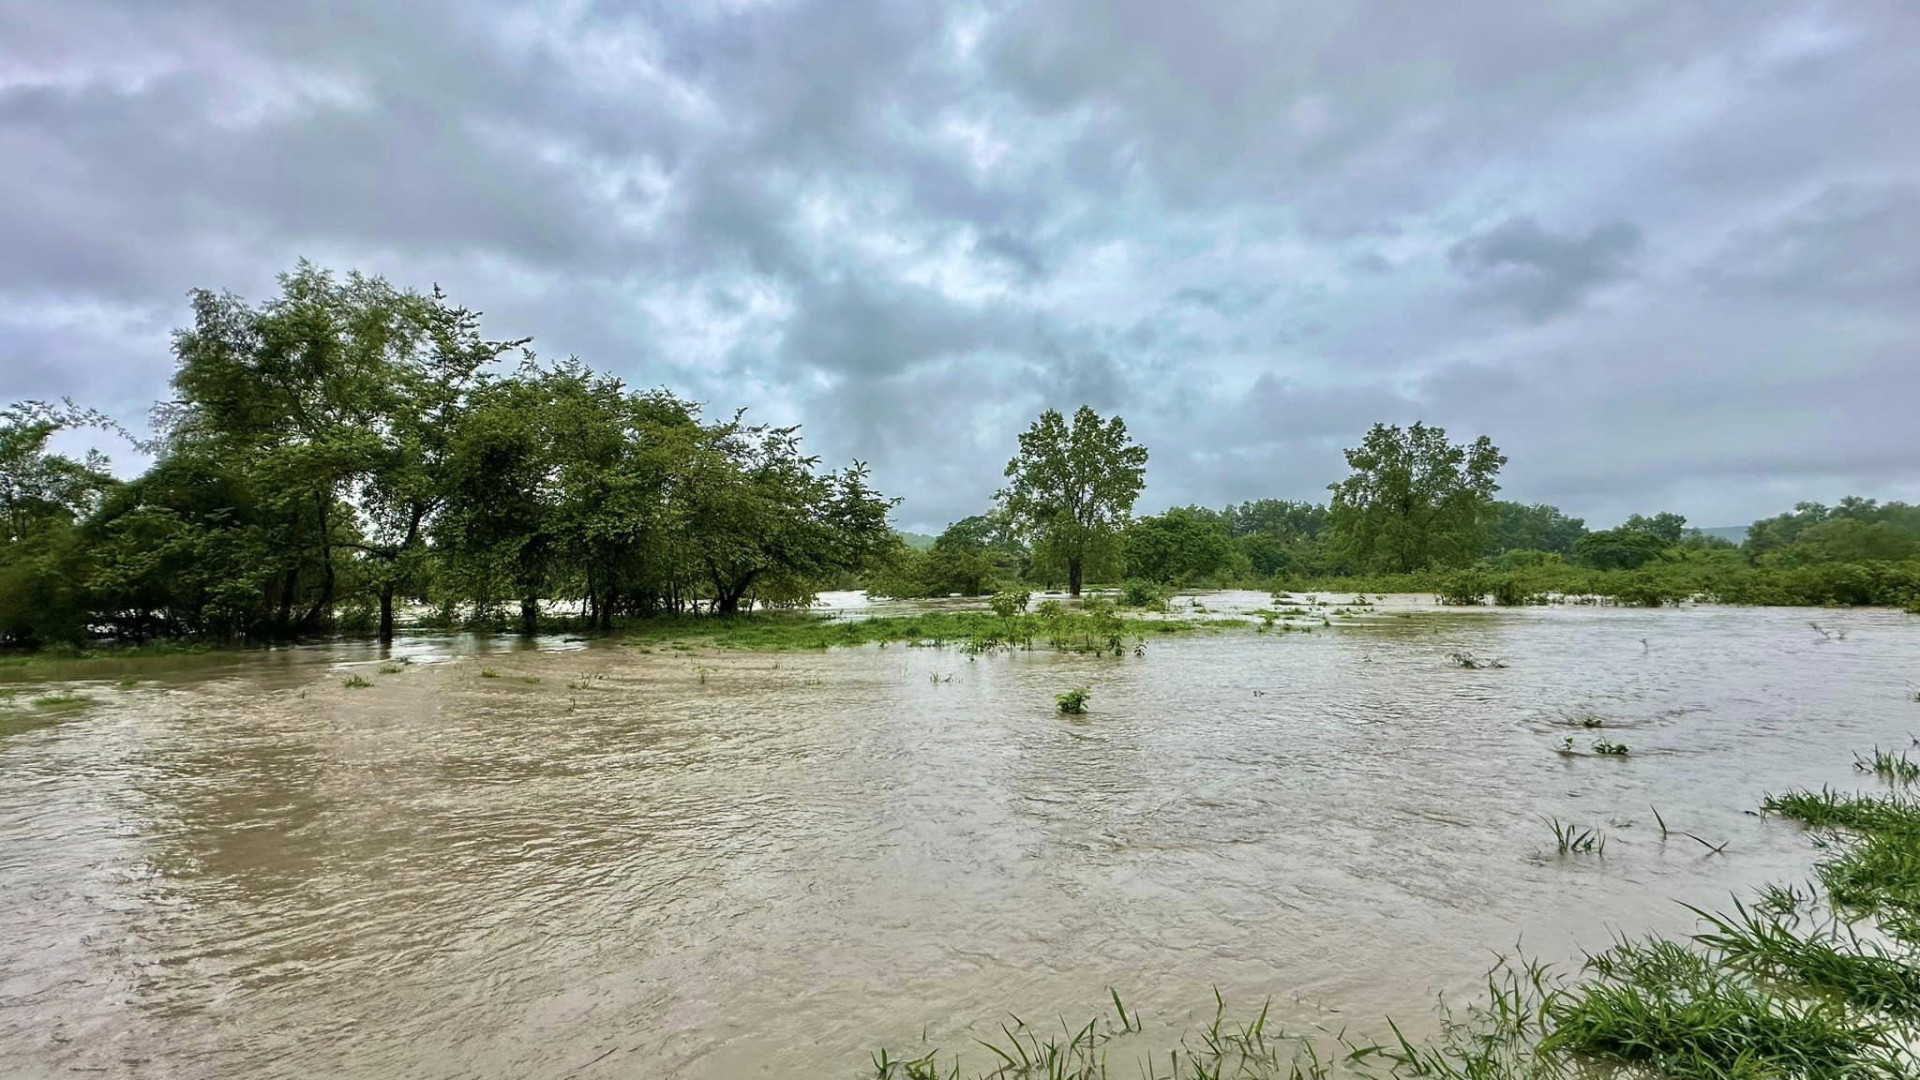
[[1667, 255]]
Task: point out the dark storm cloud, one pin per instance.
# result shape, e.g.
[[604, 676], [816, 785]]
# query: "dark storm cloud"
[[1540, 273], [1664, 254]]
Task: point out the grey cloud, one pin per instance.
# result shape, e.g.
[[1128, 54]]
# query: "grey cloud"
[[1659, 252], [1851, 242], [1541, 273]]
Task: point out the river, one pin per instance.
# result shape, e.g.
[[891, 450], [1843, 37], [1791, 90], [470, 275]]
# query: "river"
[[700, 864]]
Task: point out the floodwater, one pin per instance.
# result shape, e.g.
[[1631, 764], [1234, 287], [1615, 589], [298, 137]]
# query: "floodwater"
[[703, 864]]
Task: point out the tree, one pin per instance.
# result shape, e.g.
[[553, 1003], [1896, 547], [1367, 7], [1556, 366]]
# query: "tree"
[[1539, 527], [1184, 544], [1072, 488], [761, 517], [1414, 500], [336, 400], [1623, 548], [43, 497]]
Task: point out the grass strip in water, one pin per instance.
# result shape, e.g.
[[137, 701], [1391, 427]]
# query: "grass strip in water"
[[971, 631]]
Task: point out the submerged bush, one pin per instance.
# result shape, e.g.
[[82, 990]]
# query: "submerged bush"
[[1073, 701], [1464, 588], [1141, 593]]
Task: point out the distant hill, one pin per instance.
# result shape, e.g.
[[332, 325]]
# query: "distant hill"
[[923, 542], [1733, 533]]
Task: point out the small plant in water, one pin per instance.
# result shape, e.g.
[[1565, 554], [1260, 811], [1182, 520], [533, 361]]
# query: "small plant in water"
[[1073, 701], [489, 673], [1571, 839], [390, 669], [1610, 749], [1474, 663], [1888, 766], [355, 682], [1592, 722]]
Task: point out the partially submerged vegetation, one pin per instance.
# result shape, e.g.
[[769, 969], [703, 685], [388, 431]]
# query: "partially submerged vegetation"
[[1095, 628], [1797, 986]]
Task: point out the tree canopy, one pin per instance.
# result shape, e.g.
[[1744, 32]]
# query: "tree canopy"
[[1072, 489], [1415, 500], [347, 444]]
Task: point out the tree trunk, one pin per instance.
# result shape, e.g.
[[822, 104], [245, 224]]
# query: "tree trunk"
[[529, 615], [386, 613], [283, 623], [1073, 577]]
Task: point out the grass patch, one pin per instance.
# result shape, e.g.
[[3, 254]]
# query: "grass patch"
[[62, 699], [391, 669], [1677, 1012], [56, 664], [1095, 628], [1832, 961], [356, 682]]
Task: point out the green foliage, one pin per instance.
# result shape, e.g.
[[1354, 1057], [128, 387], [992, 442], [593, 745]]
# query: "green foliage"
[[44, 498], [1414, 500], [970, 558], [1463, 588], [1073, 488], [1661, 1006], [1088, 631], [356, 682], [1009, 603], [1073, 701], [1141, 593], [1539, 527], [346, 446], [1183, 546]]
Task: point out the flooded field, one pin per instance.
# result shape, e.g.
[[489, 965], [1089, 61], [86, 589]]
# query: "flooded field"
[[579, 859]]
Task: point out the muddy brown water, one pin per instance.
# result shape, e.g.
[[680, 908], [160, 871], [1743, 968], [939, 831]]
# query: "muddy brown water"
[[705, 864]]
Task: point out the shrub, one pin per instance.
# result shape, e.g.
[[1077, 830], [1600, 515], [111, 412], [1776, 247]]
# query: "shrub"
[[1466, 588], [1141, 593], [1008, 603], [1073, 701]]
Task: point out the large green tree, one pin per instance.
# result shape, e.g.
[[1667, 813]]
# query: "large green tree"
[[44, 497], [1072, 488], [1415, 500], [334, 402]]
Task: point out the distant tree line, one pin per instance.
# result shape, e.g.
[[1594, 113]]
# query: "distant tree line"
[[346, 447], [1419, 512]]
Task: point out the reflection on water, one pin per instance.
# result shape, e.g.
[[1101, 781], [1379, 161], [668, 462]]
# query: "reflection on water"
[[716, 865]]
